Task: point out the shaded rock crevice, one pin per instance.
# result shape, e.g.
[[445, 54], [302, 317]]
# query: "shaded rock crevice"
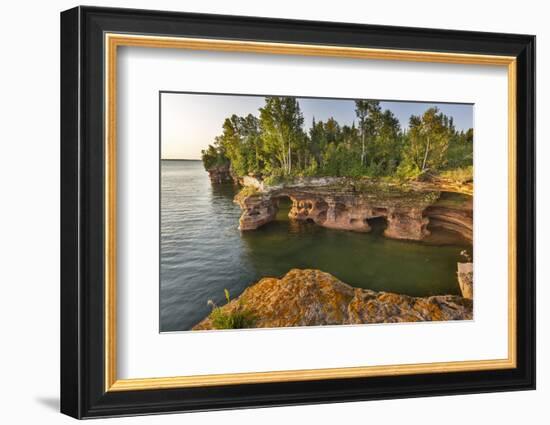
[[458, 220]]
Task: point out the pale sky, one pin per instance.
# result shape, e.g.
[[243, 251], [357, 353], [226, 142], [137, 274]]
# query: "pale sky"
[[190, 122]]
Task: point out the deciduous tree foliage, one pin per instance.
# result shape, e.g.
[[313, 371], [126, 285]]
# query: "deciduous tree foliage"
[[276, 145], [281, 123], [428, 140]]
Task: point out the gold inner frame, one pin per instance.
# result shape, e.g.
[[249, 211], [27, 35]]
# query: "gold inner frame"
[[113, 41]]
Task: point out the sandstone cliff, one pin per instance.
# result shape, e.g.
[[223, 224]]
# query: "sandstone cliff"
[[220, 174], [313, 297], [347, 204], [452, 214]]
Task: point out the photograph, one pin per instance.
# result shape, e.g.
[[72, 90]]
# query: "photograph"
[[285, 211]]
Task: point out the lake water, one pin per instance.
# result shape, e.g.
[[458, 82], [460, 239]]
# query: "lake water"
[[203, 252]]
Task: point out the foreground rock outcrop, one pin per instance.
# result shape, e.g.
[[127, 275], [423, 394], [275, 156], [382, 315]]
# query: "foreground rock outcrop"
[[312, 298]]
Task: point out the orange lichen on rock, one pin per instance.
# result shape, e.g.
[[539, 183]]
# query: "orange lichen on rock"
[[312, 298]]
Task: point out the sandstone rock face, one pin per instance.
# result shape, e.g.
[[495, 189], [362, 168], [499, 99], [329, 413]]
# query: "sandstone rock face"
[[334, 212], [251, 181], [345, 204], [466, 279], [257, 211], [313, 298], [221, 174], [408, 224], [454, 216]]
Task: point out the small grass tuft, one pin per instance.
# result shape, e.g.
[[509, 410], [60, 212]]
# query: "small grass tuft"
[[238, 318]]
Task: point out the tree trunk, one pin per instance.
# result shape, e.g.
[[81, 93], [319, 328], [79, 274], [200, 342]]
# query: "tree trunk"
[[363, 153], [289, 158], [426, 155], [362, 146], [283, 155]]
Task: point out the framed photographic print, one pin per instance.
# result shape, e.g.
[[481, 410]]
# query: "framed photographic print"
[[261, 212]]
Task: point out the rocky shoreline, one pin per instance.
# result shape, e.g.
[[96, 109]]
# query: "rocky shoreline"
[[313, 298], [221, 174], [348, 204]]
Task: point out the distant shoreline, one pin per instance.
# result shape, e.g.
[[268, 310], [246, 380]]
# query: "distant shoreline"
[[179, 159]]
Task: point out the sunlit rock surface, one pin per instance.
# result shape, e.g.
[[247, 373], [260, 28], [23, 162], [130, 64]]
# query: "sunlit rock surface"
[[312, 298], [347, 204], [466, 279]]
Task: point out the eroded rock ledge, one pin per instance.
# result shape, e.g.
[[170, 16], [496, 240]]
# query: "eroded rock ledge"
[[312, 297], [349, 205], [220, 174]]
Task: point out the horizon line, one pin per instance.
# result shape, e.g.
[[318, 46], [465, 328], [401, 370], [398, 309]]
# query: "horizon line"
[[180, 159]]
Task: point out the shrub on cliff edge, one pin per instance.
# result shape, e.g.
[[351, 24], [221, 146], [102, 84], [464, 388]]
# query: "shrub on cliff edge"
[[460, 174], [245, 192]]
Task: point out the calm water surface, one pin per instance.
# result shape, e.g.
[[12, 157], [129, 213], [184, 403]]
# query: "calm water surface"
[[203, 252]]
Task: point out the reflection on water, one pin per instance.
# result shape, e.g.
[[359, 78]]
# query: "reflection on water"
[[203, 252]]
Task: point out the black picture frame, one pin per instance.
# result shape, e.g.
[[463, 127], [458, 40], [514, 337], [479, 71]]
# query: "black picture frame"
[[83, 392]]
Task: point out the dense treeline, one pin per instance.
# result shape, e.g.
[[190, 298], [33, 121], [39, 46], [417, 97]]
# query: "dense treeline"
[[276, 146]]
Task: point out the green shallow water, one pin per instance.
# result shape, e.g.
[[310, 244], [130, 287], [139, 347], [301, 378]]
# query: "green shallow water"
[[203, 252]]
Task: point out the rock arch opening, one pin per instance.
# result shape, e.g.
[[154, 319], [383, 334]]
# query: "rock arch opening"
[[311, 210], [283, 204], [377, 224], [409, 216]]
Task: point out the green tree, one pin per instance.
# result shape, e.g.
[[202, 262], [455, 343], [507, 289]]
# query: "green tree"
[[350, 137], [384, 150], [364, 109], [214, 156], [249, 130], [461, 149], [275, 144], [281, 123], [241, 142], [333, 133], [317, 141], [428, 140]]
